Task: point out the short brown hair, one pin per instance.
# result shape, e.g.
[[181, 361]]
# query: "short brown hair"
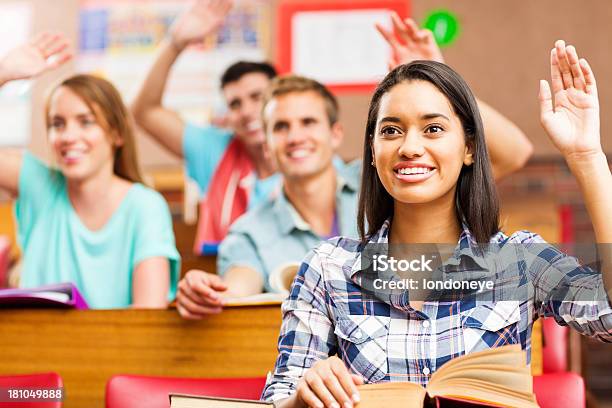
[[105, 102], [287, 84]]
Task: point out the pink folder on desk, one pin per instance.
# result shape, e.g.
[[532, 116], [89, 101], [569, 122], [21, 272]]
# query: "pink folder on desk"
[[62, 295]]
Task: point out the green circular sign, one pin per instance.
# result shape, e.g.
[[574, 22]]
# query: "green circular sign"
[[444, 26]]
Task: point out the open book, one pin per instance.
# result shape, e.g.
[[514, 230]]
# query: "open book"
[[280, 281], [281, 278], [261, 299], [63, 295], [497, 377]]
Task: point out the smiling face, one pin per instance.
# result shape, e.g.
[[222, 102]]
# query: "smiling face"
[[419, 145], [81, 145], [244, 99], [300, 135]]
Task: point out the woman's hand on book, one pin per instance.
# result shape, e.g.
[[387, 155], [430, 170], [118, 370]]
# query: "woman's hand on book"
[[45, 52], [328, 383], [198, 294], [572, 120]]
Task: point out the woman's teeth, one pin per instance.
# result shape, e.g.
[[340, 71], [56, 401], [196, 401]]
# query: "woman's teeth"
[[72, 154], [414, 170]]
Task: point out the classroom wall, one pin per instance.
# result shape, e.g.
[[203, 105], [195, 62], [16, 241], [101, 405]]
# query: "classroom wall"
[[502, 52]]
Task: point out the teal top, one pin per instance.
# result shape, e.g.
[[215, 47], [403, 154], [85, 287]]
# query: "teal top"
[[58, 247], [203, 148], [274, 235]]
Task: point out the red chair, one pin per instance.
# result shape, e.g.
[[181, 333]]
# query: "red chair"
[[134, 391], [31, 381], [559, 390], [5, 258], [554, 350]]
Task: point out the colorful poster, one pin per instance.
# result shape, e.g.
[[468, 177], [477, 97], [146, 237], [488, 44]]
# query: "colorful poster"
[[118, 39]]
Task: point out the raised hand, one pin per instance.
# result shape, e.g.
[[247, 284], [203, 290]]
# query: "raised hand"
[[408, 42], [46, 51], [202, 19], [572, 120]]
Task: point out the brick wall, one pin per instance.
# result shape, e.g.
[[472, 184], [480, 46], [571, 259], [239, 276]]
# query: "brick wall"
[[551, 178]]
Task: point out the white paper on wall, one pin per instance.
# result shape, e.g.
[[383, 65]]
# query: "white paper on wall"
[[340, 47]]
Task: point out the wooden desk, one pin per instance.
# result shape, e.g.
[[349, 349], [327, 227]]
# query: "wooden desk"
[[87, 347]]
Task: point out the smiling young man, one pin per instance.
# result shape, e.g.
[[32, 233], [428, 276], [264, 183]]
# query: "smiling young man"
[[232, 168], [318, 199]]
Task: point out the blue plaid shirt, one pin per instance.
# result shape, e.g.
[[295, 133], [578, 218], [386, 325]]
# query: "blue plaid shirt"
[[328, 312]]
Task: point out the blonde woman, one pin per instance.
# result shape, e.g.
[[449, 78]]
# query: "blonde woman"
[[88, 219]]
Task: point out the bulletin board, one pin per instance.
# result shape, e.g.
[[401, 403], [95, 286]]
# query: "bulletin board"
[[317, 39]]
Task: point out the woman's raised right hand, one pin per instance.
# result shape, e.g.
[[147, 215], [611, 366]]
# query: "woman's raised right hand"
[[45, 52]]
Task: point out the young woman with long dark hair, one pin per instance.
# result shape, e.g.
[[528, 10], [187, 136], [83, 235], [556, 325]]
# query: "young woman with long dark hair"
[[427, 179]]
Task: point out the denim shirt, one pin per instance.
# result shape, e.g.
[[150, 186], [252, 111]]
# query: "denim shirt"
[[274, 235]]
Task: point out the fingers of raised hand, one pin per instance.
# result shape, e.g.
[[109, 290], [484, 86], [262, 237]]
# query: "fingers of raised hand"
[[224, 6], [215, 7], [58, 59], [563, 63], [589, 77], [555, 72], [387, 35], [50, 44], [413, 32], [545, 97], [400, 27], [570, 71], [574, 63]]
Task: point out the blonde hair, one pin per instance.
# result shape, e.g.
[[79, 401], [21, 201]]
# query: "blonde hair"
[[105, 102], [287, 84]]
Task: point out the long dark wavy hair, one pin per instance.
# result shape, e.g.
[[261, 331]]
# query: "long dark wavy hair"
[[476, 202]]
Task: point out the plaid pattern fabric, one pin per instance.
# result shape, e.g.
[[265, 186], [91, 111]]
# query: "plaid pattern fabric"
[[329, 313]]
